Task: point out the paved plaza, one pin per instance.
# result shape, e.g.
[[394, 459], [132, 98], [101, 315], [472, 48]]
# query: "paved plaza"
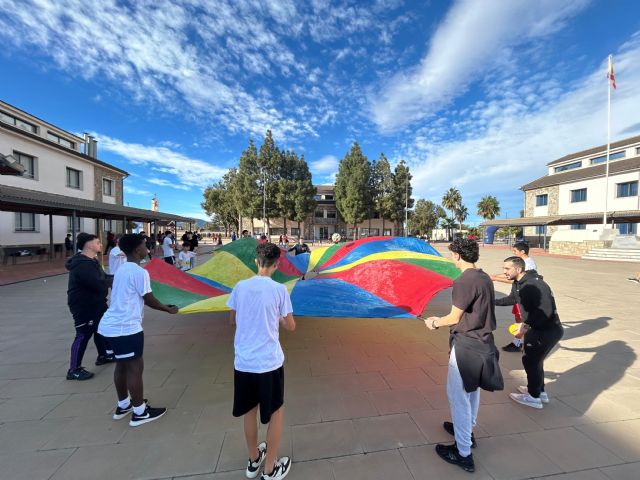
[[365, 398]]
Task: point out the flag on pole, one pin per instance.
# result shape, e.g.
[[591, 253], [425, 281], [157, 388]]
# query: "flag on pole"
[[610, 74]]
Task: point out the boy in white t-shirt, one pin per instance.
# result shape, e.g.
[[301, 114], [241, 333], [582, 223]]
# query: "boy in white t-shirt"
[[121, 327], [259, 305], [186, 258], [116, 257]]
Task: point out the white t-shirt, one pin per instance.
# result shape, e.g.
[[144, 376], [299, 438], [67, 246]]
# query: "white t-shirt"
[[124, 316], [116, 259], [529, 264], [184, 260], [167, 251], [260, 303]]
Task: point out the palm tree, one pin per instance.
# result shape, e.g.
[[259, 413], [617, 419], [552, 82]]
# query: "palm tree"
[[447, 224], [461, 214], [452, 200], [489, 207]]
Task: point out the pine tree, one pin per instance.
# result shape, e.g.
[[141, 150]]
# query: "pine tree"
[[285, 197], [402, 191], [384, 202], [425, 217], [352, 187], [246, 186], [269, 159], [304, 192]]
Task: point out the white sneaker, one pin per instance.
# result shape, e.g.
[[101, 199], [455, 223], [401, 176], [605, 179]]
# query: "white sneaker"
[[543, 395], [280, 470], [253, 468], [526, 399]]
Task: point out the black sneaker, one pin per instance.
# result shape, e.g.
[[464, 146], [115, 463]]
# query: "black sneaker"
[[512, 348], [450, 454], [280, 470], [633, 280], [120, 413], [104, 359], [79, 374], [448, 426], [149, 415], [253, 467]]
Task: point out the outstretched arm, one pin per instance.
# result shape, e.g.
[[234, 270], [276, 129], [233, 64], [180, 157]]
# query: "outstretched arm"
[[451, 318], [153, 302]]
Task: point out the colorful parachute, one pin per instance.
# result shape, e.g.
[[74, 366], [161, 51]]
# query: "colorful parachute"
[[371, 277]]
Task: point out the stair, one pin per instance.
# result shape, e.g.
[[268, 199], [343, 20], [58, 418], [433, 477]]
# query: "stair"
[[613, 254]]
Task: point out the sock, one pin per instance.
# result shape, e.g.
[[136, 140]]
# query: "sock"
[[140, 409], [124, 403]]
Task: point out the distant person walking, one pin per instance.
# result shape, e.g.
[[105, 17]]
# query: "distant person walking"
[[167, 248], [111, 241], [540, 327], [300, 247], [68, 245], [87, 300], [116, 257]]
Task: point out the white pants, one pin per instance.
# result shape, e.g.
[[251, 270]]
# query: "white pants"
[[464, 406]]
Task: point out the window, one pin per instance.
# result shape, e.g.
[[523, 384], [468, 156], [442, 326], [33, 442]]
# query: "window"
[[107, 187], [570, 166], [542, 200], [60, 141], [627, 189], [26, 222], [539, 229], [328, 197], [28, 162], [319, 214], [11, 120], [317, 197], [78, 224], [579, 195], [276, 231], [637, 150], [331, 214], [74, 178], [295, 231], [627, 228], [387, 232], [579, 226], [376, 214], [108, 225], [612, 156]]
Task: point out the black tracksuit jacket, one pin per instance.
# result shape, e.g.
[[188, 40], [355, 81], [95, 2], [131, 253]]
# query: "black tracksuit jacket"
[[88, 288]]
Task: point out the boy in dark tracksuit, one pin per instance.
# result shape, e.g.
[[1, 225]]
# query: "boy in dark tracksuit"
[[540, 326], [87, 300]]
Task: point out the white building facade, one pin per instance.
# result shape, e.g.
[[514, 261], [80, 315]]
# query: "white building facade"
[[55, 162]]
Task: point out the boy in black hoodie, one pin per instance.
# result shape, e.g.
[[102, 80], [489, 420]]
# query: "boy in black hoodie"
[[540, 327], [87, 300]]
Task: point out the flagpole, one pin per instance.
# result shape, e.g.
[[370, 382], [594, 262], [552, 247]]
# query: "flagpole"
[[606, 175]]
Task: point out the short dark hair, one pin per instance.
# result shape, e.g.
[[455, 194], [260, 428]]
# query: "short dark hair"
[[466, 248], [522, 247], [83, 238], [186, 244], [267, 254], [516, 261], [131, 241]]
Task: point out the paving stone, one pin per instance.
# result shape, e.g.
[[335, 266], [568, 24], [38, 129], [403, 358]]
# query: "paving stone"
[[622, 438], [325, 440], [388, 432], [397, 400], [374, 465], [29, 408], [628, 471], [33, 465], [29, 435], [571, 450]]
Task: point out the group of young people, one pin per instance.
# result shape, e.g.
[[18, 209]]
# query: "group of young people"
[[260, 307], [474, 358]]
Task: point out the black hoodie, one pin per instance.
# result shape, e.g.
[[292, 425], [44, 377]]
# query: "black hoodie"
[[537, 304], [88, 288]]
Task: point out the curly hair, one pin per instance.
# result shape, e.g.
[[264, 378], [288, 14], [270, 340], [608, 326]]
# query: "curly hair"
[[267, 254], [129, 242], [467, 249]]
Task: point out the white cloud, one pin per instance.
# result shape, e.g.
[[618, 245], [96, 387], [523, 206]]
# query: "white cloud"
[[466, 45], [508, 143], [325, 169], [186, 172], [136, 191]]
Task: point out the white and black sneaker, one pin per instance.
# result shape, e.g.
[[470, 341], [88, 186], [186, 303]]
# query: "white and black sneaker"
[[253, 467], [544, 398], [120, 413], [149, 415], [280, 470]]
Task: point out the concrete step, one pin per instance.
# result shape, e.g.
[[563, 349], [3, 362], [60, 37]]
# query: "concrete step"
[[614, 254]]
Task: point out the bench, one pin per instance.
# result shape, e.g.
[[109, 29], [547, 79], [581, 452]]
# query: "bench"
[[15, 252]]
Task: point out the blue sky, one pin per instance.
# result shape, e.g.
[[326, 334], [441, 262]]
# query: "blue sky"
[[474, 94]]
